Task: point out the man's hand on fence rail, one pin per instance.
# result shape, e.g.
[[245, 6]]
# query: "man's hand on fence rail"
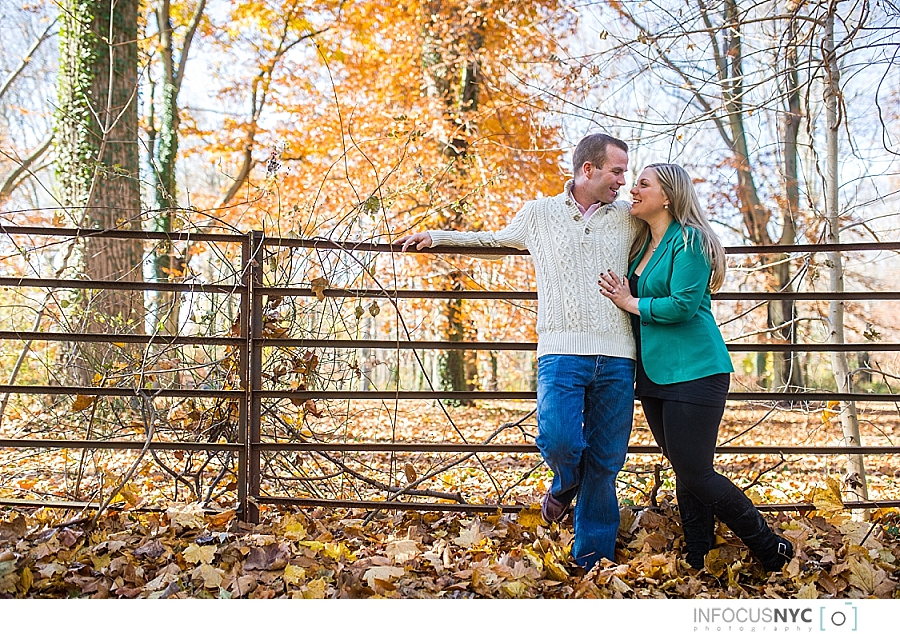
[[421, 240]]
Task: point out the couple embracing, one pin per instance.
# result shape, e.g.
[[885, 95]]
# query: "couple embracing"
[[647, 331]]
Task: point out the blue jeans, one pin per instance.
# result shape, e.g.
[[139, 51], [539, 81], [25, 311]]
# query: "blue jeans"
[[585, 408]]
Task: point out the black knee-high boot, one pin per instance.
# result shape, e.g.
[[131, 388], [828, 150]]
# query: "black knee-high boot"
[[745, 521], [698, 523]]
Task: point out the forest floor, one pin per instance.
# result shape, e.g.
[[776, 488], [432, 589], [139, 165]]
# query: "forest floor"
[[188, 551]]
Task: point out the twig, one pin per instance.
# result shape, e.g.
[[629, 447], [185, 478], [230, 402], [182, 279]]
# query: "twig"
[[657, 483], [871, 528], [151, 428], [764, 472]]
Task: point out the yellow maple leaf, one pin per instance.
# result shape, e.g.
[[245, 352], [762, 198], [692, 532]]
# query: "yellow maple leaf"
[[312, 545], [294, 575], [337, 549], [469, 537], [199, 554], [315, 589], [26, 578], [828, 499], [554, 568], [100, 562], [530, 518], [831, 410], [515, 589], [82, 402], [293, 529], [212, 576]]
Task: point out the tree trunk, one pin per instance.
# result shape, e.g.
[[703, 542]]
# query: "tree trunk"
[[855, 480], [444, 62], [454, 373], [97, 148], [165, 264], [788, 371]]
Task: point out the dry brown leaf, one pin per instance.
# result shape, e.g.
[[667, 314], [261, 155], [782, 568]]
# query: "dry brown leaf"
[[402, 550], [384, 573], [828, 499], [318, 287], [82, 402], [212, 577], [862, 575], [199, 554], [270, 557]]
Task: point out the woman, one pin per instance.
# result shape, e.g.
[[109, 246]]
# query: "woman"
[[683, 367]]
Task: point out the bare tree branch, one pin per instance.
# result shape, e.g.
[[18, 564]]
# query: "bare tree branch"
[[14, 179], [27, 58]]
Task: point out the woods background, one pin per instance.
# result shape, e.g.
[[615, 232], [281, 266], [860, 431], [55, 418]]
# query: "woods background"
[[362, 121]]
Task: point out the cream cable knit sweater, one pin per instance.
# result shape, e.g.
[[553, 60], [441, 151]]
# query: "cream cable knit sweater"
[[569, 253]]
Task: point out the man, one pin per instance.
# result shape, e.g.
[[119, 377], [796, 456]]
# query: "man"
[[586, 350]]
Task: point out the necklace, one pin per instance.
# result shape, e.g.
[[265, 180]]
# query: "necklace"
[[653, 248]]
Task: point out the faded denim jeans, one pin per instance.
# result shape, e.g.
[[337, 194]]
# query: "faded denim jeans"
[[585, 407]]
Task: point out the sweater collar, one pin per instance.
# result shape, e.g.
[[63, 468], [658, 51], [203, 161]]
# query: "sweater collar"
[[586, 212]]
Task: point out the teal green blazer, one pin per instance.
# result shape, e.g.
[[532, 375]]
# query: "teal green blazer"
[[680, 340]]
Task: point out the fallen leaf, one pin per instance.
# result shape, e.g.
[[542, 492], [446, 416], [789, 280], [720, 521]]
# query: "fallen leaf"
[[294, 575], [53, 568], [271, 557], [714, 563], [82, 402], [402, 551], [199, 554], [212, 576], [829, 498], [100, 562], [530, 518], [862, 575], [315, 589], [187, 516], [318, 287], [220, 520], [385, 573], [293, 529], [470, 536], [807, 591], [151, 550]]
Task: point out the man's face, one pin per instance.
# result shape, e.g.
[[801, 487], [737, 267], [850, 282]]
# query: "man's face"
[[603, 183]]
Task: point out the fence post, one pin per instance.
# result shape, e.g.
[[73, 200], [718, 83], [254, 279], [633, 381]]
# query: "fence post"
[[255, 327], [244, 369]]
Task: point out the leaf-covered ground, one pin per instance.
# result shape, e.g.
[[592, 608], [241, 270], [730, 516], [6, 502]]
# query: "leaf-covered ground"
[[170, 477], [323, 553]]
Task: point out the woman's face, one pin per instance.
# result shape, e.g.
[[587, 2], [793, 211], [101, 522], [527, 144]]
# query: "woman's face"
[[648, 199]]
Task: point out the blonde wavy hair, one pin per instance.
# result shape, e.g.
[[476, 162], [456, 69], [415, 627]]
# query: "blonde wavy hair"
[[684, 205]]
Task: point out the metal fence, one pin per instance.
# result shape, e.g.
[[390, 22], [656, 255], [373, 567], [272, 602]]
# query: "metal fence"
[[249, 341]]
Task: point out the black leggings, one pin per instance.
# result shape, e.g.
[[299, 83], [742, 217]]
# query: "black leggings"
[[686, 433]]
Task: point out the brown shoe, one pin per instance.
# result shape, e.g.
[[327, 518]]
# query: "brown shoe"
[[552, 510]]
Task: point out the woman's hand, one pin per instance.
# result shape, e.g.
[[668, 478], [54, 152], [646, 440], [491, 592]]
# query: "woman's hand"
[[616, 289]]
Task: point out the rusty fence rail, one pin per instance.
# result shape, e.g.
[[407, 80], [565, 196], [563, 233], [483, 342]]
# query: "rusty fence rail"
[[249, 342]]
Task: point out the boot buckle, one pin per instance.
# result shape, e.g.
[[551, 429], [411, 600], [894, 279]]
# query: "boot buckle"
[[782, 549]]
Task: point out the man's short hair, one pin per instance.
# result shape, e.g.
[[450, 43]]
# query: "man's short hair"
[[592, 149]]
